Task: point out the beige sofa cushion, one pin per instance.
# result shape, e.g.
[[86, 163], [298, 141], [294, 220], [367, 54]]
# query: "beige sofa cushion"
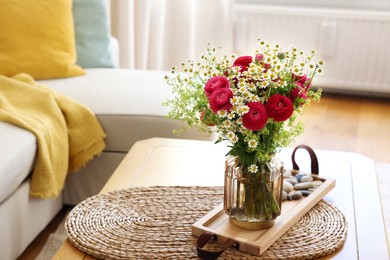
[[128, 104]]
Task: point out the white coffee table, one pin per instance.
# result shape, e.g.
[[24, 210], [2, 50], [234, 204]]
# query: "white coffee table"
[[170, 162]]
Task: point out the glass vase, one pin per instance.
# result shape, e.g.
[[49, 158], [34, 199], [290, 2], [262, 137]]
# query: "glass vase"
[[253, 200]]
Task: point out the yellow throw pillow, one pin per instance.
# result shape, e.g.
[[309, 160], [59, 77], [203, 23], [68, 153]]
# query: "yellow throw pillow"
[[37, 37]]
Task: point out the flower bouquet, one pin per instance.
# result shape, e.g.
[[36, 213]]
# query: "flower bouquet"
[[253, 103]]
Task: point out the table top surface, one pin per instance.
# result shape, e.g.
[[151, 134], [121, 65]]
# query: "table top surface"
[[171, 162]]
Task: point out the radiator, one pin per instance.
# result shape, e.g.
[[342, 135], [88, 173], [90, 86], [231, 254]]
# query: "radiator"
[[355, 45]]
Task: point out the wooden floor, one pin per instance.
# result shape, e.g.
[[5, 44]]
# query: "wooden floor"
[[36, 246], [351, 124]]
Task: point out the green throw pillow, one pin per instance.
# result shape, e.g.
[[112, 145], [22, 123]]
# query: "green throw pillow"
[[92, 33]]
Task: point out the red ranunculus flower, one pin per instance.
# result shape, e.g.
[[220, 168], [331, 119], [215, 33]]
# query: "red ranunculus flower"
[[256, 118], [215, 83], [303, 80], [266, 66], [243, 62], [297, 92], [279, 107], [220, 99]]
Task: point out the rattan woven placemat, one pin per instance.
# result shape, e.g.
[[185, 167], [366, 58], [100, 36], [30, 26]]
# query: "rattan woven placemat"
[[155, 223]]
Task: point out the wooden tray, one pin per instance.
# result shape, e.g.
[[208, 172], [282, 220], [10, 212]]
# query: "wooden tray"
[[256, 242]]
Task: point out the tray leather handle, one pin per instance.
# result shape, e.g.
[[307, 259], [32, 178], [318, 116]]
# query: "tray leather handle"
[[204, 238], [313, 158]]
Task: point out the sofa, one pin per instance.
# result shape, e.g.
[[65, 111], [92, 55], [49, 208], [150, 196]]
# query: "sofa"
[[127, 104], [126, 115]]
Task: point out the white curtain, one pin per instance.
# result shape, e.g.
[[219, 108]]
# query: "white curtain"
[[160, 34]]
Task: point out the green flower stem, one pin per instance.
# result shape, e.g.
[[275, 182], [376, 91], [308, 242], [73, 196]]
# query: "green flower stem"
[[259, 202]]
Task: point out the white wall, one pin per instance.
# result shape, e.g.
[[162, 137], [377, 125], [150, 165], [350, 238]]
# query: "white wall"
[[160, 34], [378, 5], [354, 44]]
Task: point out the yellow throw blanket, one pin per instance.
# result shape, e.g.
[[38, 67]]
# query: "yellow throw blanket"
[[68, 134]]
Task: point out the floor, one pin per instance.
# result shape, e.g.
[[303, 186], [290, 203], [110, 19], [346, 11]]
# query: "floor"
[[36, 246], [351, 124]]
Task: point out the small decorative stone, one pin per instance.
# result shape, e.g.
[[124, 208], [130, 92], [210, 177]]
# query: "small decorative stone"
[[316, 184], [299, 176], [303, 186], [298, 186], [306, 178], [294, 195], [287, 187], [292, 180], [287, 174], [284, 195], [305, 192]]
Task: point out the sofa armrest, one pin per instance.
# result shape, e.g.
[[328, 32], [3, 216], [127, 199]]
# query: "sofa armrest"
[[114, 48]]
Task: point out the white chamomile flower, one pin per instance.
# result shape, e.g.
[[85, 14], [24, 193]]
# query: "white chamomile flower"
[[274, 76], [227, 123], [222, 113], [232, 137], [231, 116], [246, 94], [239, 121], [252, 144], [253, 168], [236, 100], [252, 87], [254, 98], [242, 110]]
